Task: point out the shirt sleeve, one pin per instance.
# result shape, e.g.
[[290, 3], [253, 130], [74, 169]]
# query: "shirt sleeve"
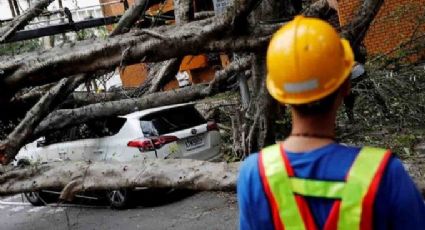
[[399, 204], [254, 211]]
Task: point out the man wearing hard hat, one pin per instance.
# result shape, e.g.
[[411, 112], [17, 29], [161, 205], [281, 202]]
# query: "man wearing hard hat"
[[309, 181]]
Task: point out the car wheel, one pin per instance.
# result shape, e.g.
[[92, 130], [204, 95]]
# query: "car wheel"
[[36, 198], [119, 199]]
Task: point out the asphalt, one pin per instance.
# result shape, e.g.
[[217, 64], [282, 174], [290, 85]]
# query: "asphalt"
[[178, 210]]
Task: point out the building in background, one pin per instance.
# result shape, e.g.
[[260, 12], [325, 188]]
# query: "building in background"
[[397, 23]]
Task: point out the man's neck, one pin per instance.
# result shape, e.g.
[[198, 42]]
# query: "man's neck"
[[310, 132]]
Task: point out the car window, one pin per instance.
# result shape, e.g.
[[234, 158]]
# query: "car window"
[[94, 129], [148, 129], [171, 120]]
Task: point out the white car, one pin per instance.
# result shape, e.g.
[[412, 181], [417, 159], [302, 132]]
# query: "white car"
[[177, 131]]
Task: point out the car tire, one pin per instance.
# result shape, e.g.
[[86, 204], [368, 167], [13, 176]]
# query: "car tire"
[[37, 198], [119, 199]]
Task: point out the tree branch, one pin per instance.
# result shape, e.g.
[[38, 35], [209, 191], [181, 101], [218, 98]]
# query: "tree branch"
[[318, 9], [168, 70], [21, 21], [21, 134], [130, 17]]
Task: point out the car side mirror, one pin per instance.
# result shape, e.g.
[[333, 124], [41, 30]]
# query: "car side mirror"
[[41, 143]]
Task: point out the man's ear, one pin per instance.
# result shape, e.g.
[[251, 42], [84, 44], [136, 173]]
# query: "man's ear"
[[346, 88]]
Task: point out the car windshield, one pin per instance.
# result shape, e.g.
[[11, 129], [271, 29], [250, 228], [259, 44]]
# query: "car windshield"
[[170, 120]]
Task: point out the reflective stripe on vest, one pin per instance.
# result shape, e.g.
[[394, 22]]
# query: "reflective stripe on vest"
[[357, 194]]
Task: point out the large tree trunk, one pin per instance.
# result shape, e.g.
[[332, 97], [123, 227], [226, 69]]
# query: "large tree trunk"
[[84, 176], [254, 125]]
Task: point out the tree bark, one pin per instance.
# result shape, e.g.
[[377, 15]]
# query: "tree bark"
[[258, 124], [22, 20], [183, 11], [22, 133], [31, 96]]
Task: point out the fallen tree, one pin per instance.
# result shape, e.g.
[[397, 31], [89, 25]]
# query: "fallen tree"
[[230, 32]]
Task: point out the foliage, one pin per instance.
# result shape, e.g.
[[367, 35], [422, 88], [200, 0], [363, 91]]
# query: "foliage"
[[19, 47], [397, 121], [99, 32]]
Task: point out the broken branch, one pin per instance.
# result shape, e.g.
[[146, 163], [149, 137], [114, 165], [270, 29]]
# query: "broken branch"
[[21, 21]]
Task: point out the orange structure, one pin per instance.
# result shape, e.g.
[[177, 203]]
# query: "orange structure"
[[397, 22], [197, 68]]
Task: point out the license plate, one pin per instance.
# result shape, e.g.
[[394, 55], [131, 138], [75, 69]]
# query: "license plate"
[[194, 142]]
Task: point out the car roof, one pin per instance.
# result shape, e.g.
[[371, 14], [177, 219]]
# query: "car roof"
[[138, 114]]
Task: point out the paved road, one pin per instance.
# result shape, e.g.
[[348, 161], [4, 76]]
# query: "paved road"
[[207, 210]]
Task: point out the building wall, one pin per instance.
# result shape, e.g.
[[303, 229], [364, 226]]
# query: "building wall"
[[396, 22]]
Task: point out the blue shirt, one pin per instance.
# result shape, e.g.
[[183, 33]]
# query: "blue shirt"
[[398, 203]]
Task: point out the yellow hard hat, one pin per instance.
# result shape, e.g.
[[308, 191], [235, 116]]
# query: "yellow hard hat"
[[306, 61]]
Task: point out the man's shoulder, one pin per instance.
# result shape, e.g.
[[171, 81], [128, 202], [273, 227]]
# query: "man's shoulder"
[[250, 165]]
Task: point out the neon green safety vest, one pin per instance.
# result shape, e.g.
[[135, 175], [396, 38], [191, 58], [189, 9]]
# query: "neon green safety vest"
[[354, 197]]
